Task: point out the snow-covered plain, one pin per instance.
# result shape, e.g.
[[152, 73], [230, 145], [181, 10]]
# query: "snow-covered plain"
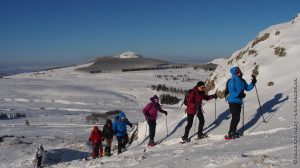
[[56, 103]]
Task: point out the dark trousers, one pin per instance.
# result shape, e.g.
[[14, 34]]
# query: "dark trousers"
[[108, 146], [235, 110], [97, 150], [190, 119], [39, 161], [152, 127], [122, 141]]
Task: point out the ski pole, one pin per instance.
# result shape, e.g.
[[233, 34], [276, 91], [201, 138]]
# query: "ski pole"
[[195, 120], [243, 119], [260, 105], [167, 125], [215, 109], [146, 130]]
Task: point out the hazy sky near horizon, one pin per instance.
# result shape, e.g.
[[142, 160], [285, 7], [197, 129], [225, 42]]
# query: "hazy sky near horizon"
[[73, 31]]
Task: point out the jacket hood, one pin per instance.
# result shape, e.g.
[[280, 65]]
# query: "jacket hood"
[[232, 71], [96, 128], [154, 97], [108, 121], [122, 115]]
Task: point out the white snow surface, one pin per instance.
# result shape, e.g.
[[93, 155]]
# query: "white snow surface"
[[129, 54], [56, 103], [218, 61]]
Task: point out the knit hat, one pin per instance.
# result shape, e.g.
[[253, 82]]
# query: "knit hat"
[[200, 83]]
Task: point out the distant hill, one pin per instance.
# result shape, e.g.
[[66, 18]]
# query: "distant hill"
[[124, 62]]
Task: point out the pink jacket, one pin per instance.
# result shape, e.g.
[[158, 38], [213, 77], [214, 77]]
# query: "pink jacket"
[[150, 111]]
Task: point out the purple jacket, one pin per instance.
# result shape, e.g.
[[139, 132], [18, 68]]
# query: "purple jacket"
[[150, 111]]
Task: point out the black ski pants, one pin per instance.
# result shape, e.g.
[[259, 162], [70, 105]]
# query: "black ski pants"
[[190, 119], [39, 161], [152, 127], [122, 141], [235, 110]]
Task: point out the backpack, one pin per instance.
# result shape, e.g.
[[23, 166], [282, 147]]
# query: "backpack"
[[226, 93], [186, 97]]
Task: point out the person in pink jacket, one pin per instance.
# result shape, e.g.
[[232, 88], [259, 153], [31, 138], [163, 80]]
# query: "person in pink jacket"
[[150, 112]]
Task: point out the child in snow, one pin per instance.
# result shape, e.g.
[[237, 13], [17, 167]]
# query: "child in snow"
[[120, 130], [150, 112], [96, 139], [194, 106], [40, 152], [108, 134], [236, 86]]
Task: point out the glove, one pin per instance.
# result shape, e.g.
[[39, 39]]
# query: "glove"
[[242, 95], [253, 80], [130, 125], [215, 96], [165, 112]]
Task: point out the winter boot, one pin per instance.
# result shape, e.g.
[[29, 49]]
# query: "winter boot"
[[109, 151], [106, 151], [233, 135], [151, 143], [201, 136], [185, 139]]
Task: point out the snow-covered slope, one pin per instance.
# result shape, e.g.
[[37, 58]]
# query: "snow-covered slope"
[[58, 101], [275, 53], [218, 61]]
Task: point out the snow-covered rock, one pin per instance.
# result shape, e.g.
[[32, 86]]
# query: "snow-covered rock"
[[130, 54], [274, 54]]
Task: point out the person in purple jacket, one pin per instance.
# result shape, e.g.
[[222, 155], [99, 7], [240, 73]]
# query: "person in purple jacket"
[[150, 112]]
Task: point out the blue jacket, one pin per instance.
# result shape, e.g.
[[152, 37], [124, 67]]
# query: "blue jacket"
[[237, 85], [119, 126]]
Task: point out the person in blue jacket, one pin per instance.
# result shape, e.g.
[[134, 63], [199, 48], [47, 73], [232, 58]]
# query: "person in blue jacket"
[[120, 130], [236, 86]]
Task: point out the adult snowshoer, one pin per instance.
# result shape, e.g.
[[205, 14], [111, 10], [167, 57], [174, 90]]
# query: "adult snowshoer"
[[108, 134], [40, 152], [236, 87], [96, 139], [194, 106], [150, 112], [120, 130]]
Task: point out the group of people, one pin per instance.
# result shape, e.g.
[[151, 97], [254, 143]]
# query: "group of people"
[[118, 128], [236, 87]]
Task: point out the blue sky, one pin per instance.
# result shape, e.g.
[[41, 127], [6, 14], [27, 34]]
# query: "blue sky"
[[73, 31]]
